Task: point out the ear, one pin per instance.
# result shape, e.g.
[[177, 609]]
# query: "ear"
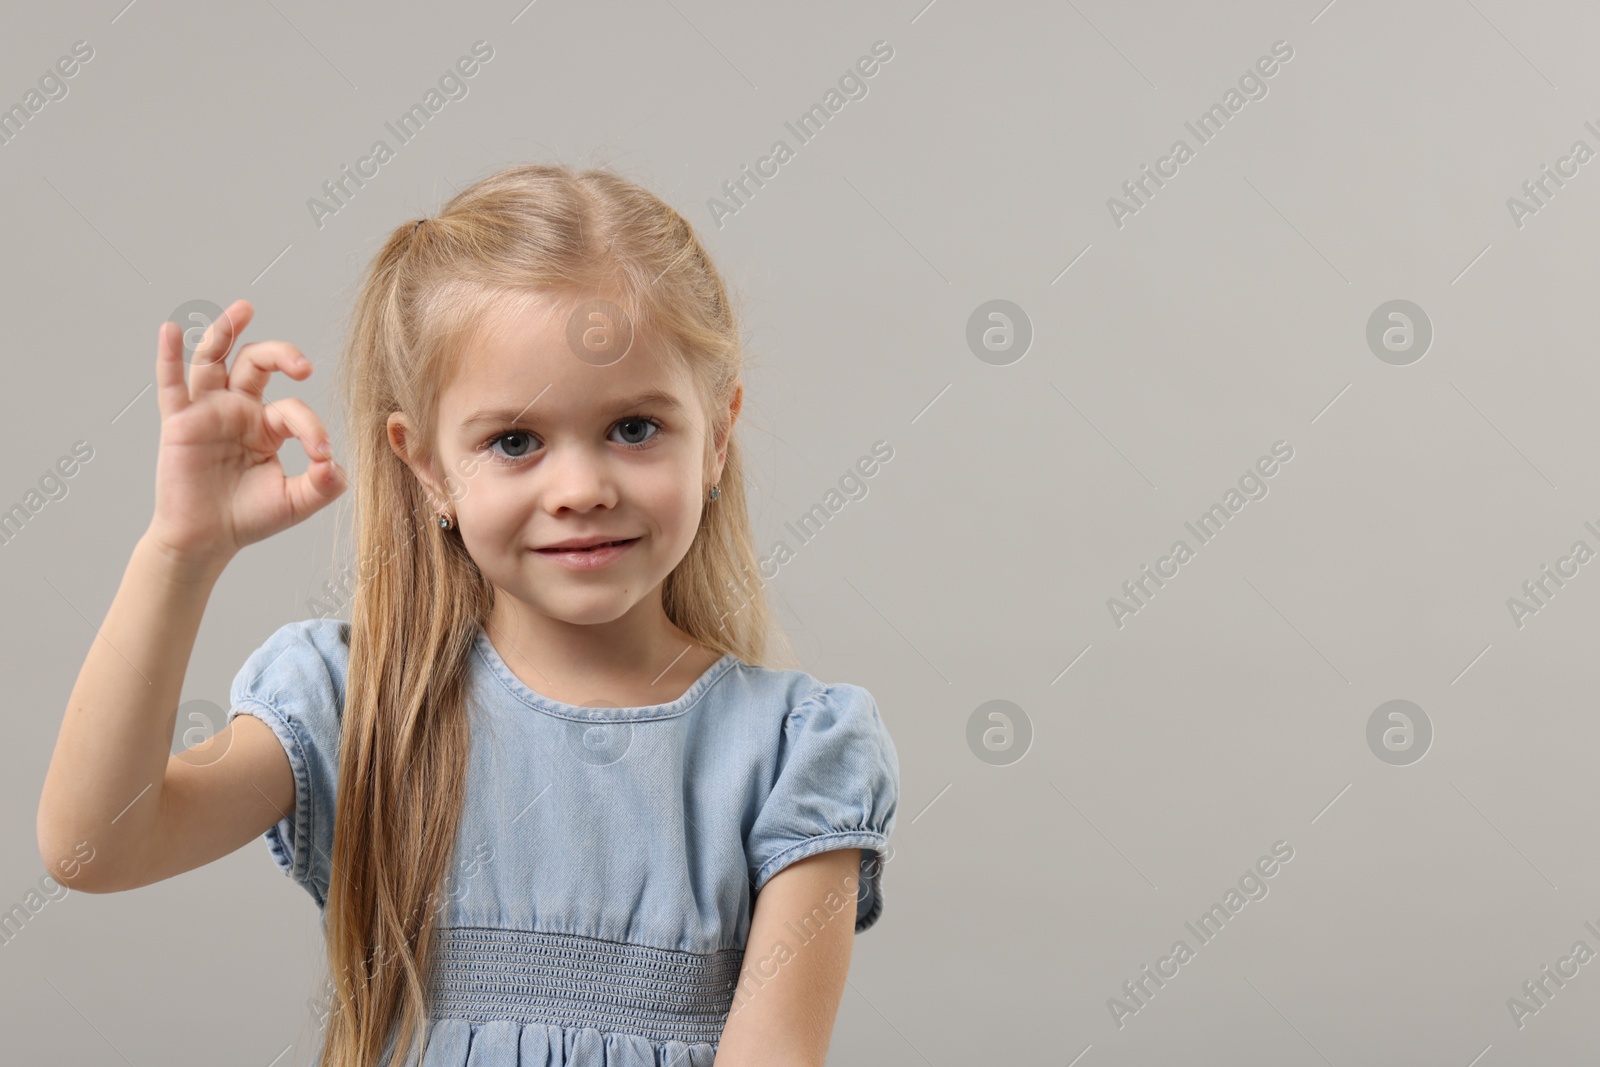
[[722, 439], [403, 437]]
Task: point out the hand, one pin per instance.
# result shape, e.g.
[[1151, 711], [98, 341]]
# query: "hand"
[[219, 485]]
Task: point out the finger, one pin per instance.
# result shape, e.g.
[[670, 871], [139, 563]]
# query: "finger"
[[255, 362], [293, 417], [210, 368], [172, 394], [324, 479]]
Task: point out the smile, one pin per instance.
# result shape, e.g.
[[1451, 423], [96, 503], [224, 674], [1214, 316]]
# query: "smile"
[[587, 558]]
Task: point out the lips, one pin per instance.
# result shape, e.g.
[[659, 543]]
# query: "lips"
[[588, 548], [585, 559]]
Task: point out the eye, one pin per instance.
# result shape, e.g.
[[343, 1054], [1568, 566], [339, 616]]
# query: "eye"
[[513, 446], [637, 424], [514, 456]]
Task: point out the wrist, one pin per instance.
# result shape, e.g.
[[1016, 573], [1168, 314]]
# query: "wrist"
[[178, 566]]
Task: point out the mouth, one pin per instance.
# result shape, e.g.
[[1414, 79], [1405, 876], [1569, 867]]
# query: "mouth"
[[588, 557], [587, 548]]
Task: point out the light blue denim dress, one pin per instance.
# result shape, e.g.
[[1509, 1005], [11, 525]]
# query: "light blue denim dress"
[[608, 858]]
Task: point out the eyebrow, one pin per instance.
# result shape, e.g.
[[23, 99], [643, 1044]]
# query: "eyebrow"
[[648, 398]]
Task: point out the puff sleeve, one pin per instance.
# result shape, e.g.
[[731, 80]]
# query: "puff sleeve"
[[837, 786], [295, 684]]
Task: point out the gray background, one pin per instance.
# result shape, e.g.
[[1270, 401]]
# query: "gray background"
[[1229, 313]]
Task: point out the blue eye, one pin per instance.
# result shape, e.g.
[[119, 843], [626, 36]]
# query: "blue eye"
[[640, 421], [514, 457], [631, 427]]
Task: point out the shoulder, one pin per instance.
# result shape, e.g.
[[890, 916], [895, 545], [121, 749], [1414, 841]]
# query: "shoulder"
[[785, 698], [303, 661], [837, 729], [295, 683], [831, 781], [800, 701], [782, 712]]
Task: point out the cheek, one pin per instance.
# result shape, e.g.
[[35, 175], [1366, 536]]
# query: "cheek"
[[672, 509], [493, 509]]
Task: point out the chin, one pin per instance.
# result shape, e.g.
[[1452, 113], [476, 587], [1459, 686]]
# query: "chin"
[[586, 612]]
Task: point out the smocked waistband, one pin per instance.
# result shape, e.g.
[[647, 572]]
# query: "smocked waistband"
[[569, 981]]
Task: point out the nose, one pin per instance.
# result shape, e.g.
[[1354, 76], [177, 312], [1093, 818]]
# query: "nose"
[[576, 478]]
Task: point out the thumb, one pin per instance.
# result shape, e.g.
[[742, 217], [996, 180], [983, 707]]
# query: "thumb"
[[316, 488], [324, 479]]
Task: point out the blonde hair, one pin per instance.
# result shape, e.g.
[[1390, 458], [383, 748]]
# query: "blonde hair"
[[527, 234]]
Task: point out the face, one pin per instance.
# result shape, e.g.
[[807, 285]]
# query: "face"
[[542, 447]]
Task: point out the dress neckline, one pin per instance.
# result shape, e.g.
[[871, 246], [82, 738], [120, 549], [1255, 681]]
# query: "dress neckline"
[[580, 713]]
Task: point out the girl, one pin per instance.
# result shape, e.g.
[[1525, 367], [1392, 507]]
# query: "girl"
[[552, 807]]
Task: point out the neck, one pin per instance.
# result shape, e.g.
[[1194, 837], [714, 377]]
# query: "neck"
[[638, 648]]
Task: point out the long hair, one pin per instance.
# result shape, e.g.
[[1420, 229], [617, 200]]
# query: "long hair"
[[527, 234]]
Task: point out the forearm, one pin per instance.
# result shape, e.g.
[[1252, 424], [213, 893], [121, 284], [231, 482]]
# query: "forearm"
[[105, 777]]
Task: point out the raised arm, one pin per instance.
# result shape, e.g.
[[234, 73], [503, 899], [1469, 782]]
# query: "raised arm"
[[117, 810]]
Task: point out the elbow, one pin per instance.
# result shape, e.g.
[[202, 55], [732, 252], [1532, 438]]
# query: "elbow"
[[70, 864]]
